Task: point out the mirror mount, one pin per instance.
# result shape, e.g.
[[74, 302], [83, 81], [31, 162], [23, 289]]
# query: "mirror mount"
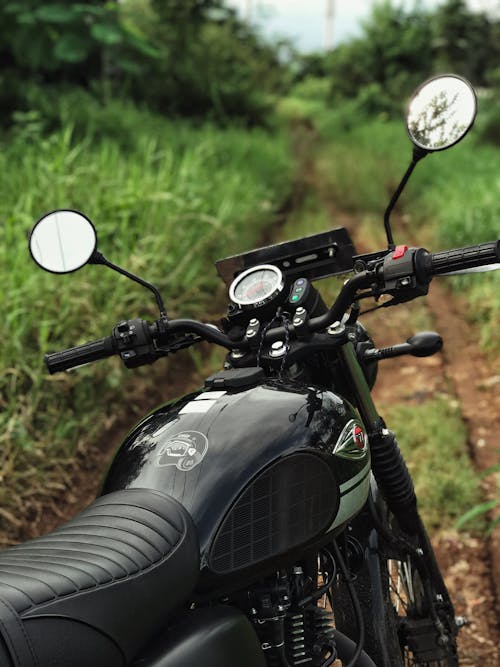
[[98, 258], [440, 113], [418, 154], [64, 240]]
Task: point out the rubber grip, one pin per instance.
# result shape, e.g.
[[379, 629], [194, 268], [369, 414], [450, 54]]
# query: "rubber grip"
[[465, 258], [82, 354]]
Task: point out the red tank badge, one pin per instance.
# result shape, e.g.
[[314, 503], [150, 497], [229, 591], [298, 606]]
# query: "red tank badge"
[[359, 437]]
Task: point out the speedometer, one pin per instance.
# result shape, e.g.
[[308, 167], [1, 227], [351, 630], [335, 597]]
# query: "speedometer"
[[256, 286]]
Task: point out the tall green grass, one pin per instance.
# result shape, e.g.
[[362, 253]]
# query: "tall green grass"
[[445, 483], [167, 199]]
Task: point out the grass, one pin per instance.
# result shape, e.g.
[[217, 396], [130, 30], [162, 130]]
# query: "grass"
[[433, 439], [167, 199]]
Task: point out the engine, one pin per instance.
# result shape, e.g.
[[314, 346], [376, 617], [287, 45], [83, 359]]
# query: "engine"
[[293, 626]]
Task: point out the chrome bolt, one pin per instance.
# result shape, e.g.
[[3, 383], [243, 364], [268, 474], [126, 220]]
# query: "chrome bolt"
[[278, 349], [335, 329], [237, 354]]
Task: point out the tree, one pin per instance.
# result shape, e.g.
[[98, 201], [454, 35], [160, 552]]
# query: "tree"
[[54, 42], [467, 42], [393, 55]]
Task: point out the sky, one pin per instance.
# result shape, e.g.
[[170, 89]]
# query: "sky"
[[304, 22]]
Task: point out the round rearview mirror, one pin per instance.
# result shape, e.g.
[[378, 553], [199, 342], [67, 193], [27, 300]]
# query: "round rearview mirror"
[[441, 112], [62, 241]]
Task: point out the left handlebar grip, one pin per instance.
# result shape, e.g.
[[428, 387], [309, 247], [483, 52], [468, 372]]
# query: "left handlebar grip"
[[79, 355]]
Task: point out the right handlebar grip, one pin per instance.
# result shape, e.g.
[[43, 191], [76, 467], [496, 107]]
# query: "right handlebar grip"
[[464, 258], [82, 354]]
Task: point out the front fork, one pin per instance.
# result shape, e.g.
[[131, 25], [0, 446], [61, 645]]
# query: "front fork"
[[388, 466], [394, 483]]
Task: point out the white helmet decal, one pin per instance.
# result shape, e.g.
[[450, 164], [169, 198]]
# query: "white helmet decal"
[[183, 450]]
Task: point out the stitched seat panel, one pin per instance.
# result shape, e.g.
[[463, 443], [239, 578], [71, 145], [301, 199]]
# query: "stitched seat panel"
[[119, 566]]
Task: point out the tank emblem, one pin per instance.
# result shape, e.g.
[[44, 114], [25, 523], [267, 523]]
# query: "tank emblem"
[[359, 437], [352, 442], [184, 450]]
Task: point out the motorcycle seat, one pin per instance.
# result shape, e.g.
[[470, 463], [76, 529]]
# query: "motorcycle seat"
[[98, 588]]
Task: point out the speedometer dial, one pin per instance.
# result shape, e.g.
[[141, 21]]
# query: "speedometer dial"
[[256, 286]]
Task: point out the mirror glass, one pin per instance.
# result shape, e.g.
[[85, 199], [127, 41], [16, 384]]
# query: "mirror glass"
[[62, 241], [441, 112]]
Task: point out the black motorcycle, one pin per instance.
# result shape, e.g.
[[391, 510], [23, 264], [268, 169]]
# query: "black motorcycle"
[[267, 519]]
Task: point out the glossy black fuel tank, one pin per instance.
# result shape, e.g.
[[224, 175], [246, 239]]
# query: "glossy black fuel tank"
[[262, 470]]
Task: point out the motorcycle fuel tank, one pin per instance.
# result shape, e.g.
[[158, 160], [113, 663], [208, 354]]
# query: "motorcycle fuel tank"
[[263, 470]]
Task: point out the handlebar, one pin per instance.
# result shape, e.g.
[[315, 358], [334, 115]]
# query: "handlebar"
[[405, 273], [79, 355]]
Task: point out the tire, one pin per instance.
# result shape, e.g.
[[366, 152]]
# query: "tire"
[[402, 595], [413, 589]]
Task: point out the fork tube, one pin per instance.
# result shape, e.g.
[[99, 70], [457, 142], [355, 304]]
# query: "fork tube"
[[388, 465], [366, 406]]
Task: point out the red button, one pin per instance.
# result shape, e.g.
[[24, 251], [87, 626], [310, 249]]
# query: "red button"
[[400, 251]]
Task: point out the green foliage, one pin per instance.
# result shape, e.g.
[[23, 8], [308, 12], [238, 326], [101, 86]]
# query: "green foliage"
[[434, 443], [311, 88], [60, 43], [478, 512], [488, 124], [399, 48], [47, 38], [466, 41], [391, 57], [192, 58], [167, 199], [211, 62]]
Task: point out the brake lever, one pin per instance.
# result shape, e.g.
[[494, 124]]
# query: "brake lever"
[[422, 344]]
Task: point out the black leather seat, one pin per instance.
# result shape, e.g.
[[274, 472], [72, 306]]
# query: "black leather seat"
[[97, 589]]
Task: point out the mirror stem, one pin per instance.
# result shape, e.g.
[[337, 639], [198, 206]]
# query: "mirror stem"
[[98, 258], [418, 154]]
